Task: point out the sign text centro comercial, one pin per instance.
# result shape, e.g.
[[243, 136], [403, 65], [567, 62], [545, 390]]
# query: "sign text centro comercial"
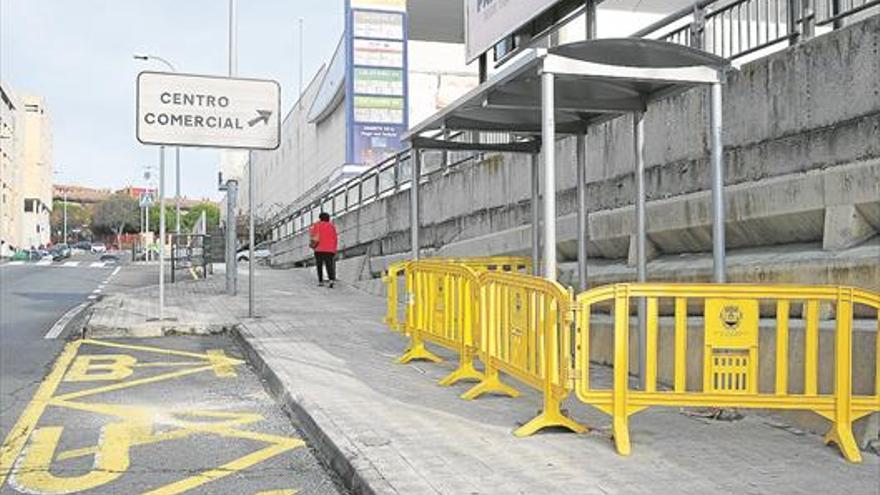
[[192, 110]]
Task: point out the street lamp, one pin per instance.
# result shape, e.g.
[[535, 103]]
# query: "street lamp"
[[64, 241], [171, 67]]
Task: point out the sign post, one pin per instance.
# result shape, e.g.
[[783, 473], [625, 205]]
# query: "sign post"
[[205, 111]]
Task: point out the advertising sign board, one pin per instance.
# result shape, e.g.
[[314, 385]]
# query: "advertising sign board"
[[488, 21]]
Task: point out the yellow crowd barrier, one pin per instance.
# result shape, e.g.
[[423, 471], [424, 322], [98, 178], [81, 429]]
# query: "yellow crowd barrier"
[[526, 333], [391, 279], [443, 312], [730, 313]]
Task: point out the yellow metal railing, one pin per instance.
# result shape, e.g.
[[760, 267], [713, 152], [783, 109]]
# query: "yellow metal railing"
[[526, 333], [444, 312], [390, 278], [730, 314]]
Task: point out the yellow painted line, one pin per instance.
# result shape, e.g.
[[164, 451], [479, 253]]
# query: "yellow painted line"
[[18, 435], [159, 350], [220, 362], [237, 465], [277, 492], [132, 383], [169, 364]]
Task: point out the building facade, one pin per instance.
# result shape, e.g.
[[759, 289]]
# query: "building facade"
[[36, 176], [10, 173]]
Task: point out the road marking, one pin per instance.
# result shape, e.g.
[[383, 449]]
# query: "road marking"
[[98, 264], [28, 454], [27, 422], [62, 322], [96, 291], [92, 296], [15, 263], [44, 263], [116, 271], [71, 263]]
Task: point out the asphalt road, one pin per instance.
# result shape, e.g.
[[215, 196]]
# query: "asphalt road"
[[162, 416]]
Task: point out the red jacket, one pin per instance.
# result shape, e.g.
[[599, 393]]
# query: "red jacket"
[[326, 235]]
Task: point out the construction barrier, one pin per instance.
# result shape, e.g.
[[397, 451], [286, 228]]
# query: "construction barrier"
[[526, 333], [395, 270], [731, 314], [444, 311]]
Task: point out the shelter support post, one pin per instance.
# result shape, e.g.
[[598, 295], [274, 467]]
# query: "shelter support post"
[[548, 140], [414, 201], [582, 232], [590, 18], [641, 236], [719, 262], [536, 215]]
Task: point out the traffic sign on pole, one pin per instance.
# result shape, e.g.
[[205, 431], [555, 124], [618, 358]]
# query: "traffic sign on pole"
[[208, 111], [146, 199]]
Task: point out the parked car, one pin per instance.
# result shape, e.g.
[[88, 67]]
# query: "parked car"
[[60, 252], [84, 245], [110, 258], [99, 247], [261, 253]]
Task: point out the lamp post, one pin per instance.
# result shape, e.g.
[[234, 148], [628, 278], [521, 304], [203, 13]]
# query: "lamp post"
[[176, 149], [64, 209]]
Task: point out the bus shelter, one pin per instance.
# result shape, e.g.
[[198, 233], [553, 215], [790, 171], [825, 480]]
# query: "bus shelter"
[[547, 93]]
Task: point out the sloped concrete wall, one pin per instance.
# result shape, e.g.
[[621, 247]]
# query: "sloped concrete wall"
[[802, 153]]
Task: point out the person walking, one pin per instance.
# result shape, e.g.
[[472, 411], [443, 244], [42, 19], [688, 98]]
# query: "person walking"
[[323, 240]]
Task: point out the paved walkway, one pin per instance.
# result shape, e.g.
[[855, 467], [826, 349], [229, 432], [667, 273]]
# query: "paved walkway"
[[388, 428]]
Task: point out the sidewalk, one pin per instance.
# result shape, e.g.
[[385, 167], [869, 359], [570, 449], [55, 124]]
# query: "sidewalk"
[[388, 428]]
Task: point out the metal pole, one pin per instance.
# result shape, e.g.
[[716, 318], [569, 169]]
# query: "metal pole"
[[65, 215], [718, 241], [548, 138], [177, 189], [590, 18], [251, 205], [161, 233], [641, 236], [233, 41], [414, 201], [582, 233], [536, 215], [231, 263]]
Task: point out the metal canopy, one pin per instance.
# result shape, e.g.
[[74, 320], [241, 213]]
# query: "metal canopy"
[[594, 80]]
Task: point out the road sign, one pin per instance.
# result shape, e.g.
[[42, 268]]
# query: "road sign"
[[488, 21], [146, 199], [207, 111]]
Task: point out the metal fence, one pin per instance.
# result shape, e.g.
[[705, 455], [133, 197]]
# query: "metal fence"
[[728, 28]]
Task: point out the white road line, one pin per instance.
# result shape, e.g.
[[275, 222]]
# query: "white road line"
[[116, 270], [15, 263], [62, 322], [71, 263], [98, 264], [96, 291], [92, 297], [44, 263]]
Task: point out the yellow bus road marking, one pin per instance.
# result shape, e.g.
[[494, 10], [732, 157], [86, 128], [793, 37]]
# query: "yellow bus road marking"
[[27, 454], [27, 422]]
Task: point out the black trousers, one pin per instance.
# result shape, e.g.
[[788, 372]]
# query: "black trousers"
[[328, 260]]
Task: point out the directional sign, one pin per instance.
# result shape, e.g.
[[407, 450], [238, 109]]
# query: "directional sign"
[[207, 111]]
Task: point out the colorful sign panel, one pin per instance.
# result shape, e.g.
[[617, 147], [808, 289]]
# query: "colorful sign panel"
[[376, 79]]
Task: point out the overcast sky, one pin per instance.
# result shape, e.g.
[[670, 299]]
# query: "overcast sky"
[[78, 55]]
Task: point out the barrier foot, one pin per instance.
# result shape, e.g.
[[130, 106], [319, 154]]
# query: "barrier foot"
[[842, 436], [620, 431], [546, 419], [464, 372], [491, 384], [418, 351]]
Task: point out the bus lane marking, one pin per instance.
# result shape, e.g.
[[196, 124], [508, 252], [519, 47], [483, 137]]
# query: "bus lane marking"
[[27, 454]]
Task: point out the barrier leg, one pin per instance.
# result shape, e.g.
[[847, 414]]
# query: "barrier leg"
[[620, 430], [417, 350], [465, 371], [841, 435], [491, 384], [550, 416]]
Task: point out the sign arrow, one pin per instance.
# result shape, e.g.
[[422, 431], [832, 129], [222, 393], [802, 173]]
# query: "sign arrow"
[[262, 115]]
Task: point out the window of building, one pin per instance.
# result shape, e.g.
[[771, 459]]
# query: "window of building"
[[29, 205]]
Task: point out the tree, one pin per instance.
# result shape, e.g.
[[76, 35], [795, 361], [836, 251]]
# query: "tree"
[[117, 214], [79, 218], [212, 214]]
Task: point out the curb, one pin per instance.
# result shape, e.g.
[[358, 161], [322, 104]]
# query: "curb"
[[330, 453]]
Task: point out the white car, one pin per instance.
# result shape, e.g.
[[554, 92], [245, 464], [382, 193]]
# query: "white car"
[[99, 248], [261, 253]]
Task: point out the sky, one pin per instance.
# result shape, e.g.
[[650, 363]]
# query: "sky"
[[78, 55]]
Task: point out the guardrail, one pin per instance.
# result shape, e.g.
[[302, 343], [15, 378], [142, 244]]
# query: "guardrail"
[[731, 314], [532, 330]]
